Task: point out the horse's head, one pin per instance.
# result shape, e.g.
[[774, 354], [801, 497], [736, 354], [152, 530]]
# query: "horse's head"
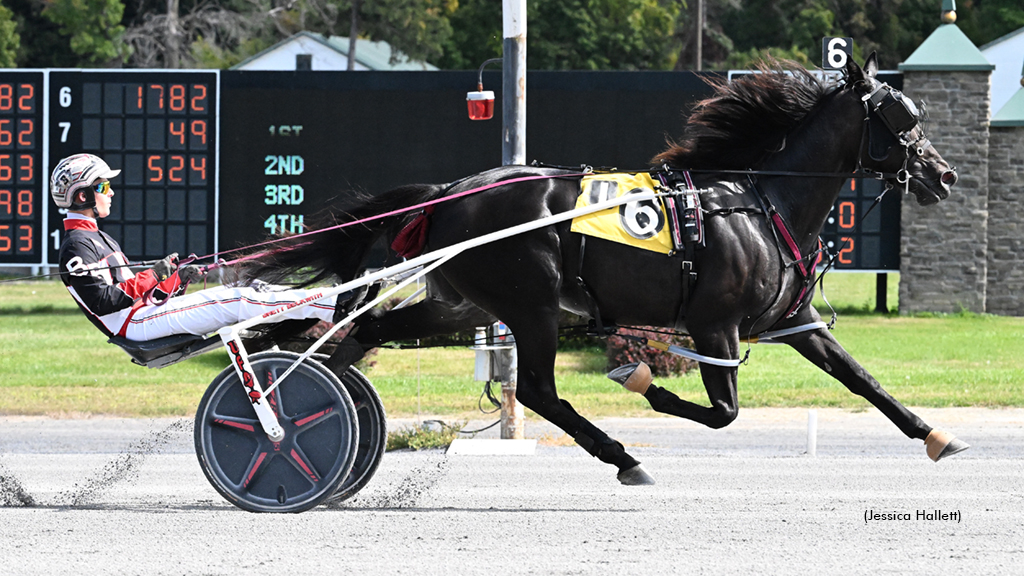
[[894, 141]]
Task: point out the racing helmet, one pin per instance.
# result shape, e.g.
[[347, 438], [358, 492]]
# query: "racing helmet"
[[74, 173]]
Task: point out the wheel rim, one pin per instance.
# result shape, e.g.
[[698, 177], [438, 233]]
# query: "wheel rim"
[[373, 434], [307, 465]]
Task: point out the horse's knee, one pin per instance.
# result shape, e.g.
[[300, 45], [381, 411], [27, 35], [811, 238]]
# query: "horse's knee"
[[722, 415]]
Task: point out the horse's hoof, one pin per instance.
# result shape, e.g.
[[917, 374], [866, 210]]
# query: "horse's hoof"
[[635, 377], [635, 476], [940, 444]]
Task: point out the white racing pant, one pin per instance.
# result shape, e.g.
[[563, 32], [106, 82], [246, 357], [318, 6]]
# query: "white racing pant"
[[207, 311]]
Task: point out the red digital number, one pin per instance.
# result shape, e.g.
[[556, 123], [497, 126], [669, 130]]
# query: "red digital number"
[[177, 98], [6, 168], [198, 128], [25, 243], [26, 133], [5, 201], [24, 203], [26, 168], [198, 165], [847, 215], [160, 88], [6, 97], [156, 168], [846, 250], [180, 132], [30, 93], [199, 97], [5, 239], [177, 166], [6, 133]]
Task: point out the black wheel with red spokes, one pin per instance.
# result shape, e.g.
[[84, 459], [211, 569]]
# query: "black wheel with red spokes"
[[303, 469]]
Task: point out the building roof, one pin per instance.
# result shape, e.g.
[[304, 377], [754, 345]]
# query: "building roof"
[[947, 48], [1012, 113], [370, 55], [1001, 39]]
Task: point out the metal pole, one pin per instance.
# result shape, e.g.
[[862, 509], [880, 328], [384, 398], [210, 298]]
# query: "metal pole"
[[700, 34], [513, 151], [513, 83]]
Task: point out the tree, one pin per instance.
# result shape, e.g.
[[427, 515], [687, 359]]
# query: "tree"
[[570, 34], [94, 27], [9, 39], [417, 28]]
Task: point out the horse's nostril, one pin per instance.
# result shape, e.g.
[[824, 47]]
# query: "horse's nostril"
[[948, 177]]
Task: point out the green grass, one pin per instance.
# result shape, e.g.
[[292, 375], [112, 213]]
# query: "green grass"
[[53, 361]]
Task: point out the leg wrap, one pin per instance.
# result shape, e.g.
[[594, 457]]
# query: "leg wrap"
[[600, 445]]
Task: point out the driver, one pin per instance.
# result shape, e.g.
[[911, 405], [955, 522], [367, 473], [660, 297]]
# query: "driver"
[[120, 303]]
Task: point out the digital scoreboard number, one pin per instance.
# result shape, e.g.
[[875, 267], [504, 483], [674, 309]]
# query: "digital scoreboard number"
[[160, 129], [21, 165], [864, 241]]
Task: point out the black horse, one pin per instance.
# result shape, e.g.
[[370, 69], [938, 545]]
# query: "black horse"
[[799, 136]]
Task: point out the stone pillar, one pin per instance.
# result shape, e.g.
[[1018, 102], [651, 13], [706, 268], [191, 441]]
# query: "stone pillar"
[[943, 265], [1005, 285]]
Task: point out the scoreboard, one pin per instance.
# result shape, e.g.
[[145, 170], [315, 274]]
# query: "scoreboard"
[[859, 242], [213, 160], [22, 168], [160, 130]]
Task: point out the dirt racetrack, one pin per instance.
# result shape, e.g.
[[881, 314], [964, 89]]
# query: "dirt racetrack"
[[106, 496]]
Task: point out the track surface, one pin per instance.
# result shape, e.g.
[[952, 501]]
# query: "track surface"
[[127, 497]]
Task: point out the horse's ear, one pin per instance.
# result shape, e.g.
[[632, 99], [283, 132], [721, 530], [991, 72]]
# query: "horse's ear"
[[854, 74], [871, 65]]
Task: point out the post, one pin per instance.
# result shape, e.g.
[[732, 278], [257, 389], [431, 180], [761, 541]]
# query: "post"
[[513, 83], [700, 34], [882, 293], [513, 151], [511, 411], [812, 432]]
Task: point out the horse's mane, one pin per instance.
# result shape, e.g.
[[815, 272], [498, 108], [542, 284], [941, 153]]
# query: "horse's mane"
[[747, 119]]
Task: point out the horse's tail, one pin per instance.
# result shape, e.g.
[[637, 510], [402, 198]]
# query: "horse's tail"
[[340, 252]]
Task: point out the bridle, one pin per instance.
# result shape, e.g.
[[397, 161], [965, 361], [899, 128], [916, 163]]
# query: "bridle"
[[900, 116]]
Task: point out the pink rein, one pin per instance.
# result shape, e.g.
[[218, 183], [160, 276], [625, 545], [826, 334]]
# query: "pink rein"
[[376, 217]]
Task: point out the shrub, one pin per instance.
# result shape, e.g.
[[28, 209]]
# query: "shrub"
[[623, 351]]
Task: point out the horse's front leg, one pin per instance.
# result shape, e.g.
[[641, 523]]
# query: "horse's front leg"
[[719, 381], [822, 349], [536, 333]]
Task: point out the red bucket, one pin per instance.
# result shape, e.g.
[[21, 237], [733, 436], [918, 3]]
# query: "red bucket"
[[480, 105]]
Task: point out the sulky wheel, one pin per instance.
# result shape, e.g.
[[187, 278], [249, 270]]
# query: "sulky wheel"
[[302, 470], [373, 432]]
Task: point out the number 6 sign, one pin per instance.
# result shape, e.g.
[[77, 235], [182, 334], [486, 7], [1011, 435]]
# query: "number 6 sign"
[[835, 52]]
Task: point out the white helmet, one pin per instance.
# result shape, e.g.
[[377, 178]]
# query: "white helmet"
[[74, 173]]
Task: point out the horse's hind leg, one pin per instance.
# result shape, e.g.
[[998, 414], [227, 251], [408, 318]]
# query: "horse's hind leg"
[[822, 349]]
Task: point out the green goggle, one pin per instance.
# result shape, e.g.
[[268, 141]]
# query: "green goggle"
[[104, 188]]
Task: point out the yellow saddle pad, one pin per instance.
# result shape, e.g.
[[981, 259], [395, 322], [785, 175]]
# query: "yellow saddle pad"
[[641, 224]]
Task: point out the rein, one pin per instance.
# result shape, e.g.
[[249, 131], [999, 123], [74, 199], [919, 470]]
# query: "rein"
[[419, 206]]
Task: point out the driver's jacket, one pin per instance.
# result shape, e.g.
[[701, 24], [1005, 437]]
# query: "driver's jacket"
[[95, 272]]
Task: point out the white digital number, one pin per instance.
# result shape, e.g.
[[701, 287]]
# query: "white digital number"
[[64, 133], [65, 97]]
